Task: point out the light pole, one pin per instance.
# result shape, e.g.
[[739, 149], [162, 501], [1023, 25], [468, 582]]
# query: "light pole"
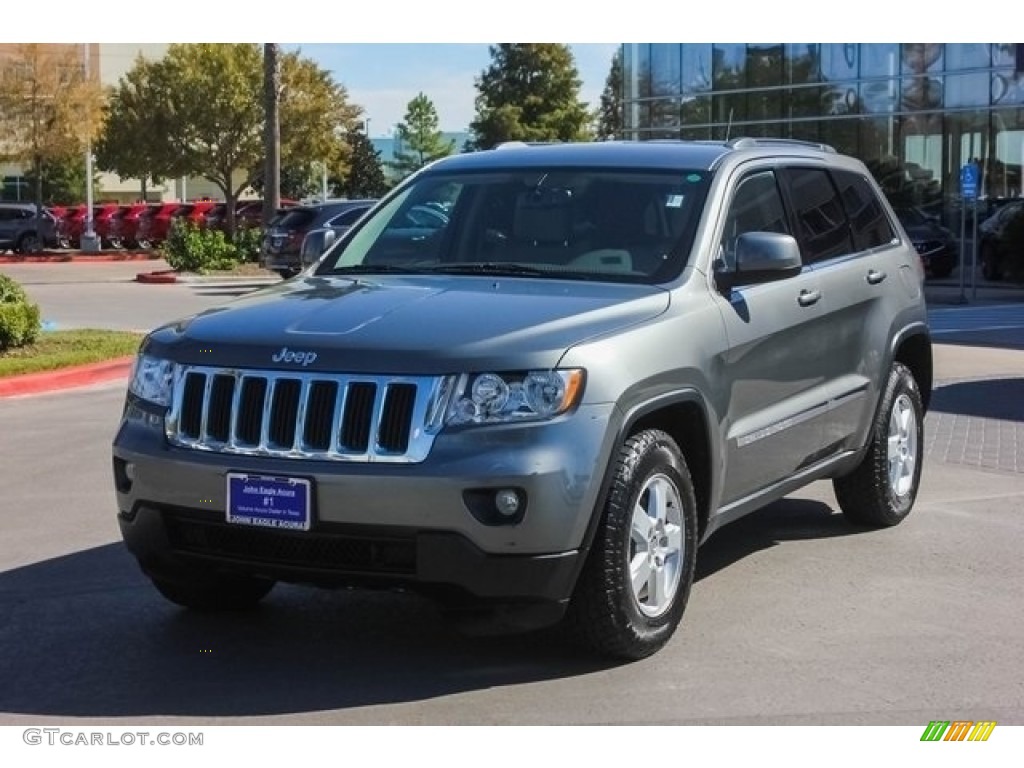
[[89, 240]]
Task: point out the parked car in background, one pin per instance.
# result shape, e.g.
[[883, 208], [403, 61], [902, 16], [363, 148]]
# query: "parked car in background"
[[73, 225], [934, 243], [154, 229], [107, 224], [60, 214], [22, 232], [131, 222], [195, 213], [282, 242], [1001, 242]]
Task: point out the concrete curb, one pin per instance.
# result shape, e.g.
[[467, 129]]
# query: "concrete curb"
[[78, 257], [65, 378], [160, 277]]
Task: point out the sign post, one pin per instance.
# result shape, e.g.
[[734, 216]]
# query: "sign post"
[[970, 175]]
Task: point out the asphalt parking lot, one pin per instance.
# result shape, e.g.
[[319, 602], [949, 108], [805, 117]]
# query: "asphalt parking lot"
[[796, 617]]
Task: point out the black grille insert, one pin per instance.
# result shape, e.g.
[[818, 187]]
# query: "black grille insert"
[[310, 550]]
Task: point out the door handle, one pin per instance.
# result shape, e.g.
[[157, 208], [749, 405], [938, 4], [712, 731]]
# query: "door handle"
[[807, 298], [875, 277]]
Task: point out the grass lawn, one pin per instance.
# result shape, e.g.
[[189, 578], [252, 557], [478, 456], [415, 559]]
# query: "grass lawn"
[[60, 349]]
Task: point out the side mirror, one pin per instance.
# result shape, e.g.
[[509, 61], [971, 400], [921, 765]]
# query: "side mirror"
[[315, 244], [761, 257]]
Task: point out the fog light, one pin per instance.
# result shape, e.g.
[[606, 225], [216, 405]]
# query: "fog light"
[[506, 501], [129, 471], [496, 506]]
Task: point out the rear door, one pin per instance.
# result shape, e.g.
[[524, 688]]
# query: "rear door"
[[846, 235], [773, 368]]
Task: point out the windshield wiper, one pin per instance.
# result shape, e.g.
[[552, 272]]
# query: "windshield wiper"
[[369, 269], [490, 268]]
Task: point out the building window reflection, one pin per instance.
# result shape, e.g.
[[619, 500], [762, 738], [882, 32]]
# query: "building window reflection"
[[914, 112]]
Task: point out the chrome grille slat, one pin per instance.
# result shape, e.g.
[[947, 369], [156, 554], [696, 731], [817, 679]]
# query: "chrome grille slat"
[[300, 415], [299, 433], [204, 420]]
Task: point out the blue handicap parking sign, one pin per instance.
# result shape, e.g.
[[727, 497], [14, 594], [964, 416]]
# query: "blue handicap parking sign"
[[970, 175]]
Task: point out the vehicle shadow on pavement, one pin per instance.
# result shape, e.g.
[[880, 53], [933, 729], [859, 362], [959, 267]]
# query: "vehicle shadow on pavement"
[[789, 519], [988, 398], [86, 635]]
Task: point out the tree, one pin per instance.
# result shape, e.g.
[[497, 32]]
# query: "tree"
[[204, 116], [419, 139], [316, 116], [63, 180], [49, 108], [609, 115], [127, 147], [530, 92], [365, 177]]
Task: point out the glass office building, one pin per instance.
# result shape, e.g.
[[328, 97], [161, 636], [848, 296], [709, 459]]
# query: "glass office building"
[[913, 112]]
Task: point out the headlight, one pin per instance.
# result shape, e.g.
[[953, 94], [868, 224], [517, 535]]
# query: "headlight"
[[494, 398], [152, 379]]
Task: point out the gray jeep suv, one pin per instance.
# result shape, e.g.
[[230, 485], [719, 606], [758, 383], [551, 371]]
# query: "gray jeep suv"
[[538, 411]]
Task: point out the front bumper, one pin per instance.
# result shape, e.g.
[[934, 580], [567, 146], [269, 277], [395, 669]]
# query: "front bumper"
[[407, 524]]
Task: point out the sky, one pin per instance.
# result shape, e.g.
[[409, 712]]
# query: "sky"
[[384, 55], [383, 78]]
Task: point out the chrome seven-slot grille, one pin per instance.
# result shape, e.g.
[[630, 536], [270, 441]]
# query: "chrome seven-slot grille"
[[306, 415]]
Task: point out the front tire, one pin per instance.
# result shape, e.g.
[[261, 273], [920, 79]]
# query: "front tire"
[[881, 491], [29, 243], [214, 592], [634, 586]]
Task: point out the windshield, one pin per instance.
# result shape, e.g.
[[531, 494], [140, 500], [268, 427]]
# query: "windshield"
[[601, 224]]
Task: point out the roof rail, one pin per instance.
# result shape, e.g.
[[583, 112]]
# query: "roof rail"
[[747, 142], [521, 144]]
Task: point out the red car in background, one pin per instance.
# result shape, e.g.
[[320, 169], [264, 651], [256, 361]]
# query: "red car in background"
[[195, 213], [73, 225], [107, 224], [154, 229], [131, 221]]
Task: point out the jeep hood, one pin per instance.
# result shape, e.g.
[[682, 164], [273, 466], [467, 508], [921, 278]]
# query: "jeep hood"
[[421, 324]]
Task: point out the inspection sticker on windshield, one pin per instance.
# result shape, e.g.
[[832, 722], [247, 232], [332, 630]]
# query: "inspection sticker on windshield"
[[674, 201], [269, 502]]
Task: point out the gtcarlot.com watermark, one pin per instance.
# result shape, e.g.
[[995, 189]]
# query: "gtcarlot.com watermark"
[[68, 737]]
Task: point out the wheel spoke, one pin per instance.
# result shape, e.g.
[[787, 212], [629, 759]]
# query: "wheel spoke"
[[639, 573], [656, 500], [893, 446], [674, 533], [641, 526], [657, 587], [906, 419]]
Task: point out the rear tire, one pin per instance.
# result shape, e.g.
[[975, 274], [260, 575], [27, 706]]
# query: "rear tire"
[[214, 593], [881, 491], [635, 583]]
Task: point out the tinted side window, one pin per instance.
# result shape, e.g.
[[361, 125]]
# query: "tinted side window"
[[871, 227], [824, 231], [348, 218], [756, 207]]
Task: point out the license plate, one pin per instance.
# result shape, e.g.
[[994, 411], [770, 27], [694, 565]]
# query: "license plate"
[[269, 502]]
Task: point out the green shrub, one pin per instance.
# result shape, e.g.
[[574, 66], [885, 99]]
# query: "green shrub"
[[19, 318], [247, 244], [190, 249]]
